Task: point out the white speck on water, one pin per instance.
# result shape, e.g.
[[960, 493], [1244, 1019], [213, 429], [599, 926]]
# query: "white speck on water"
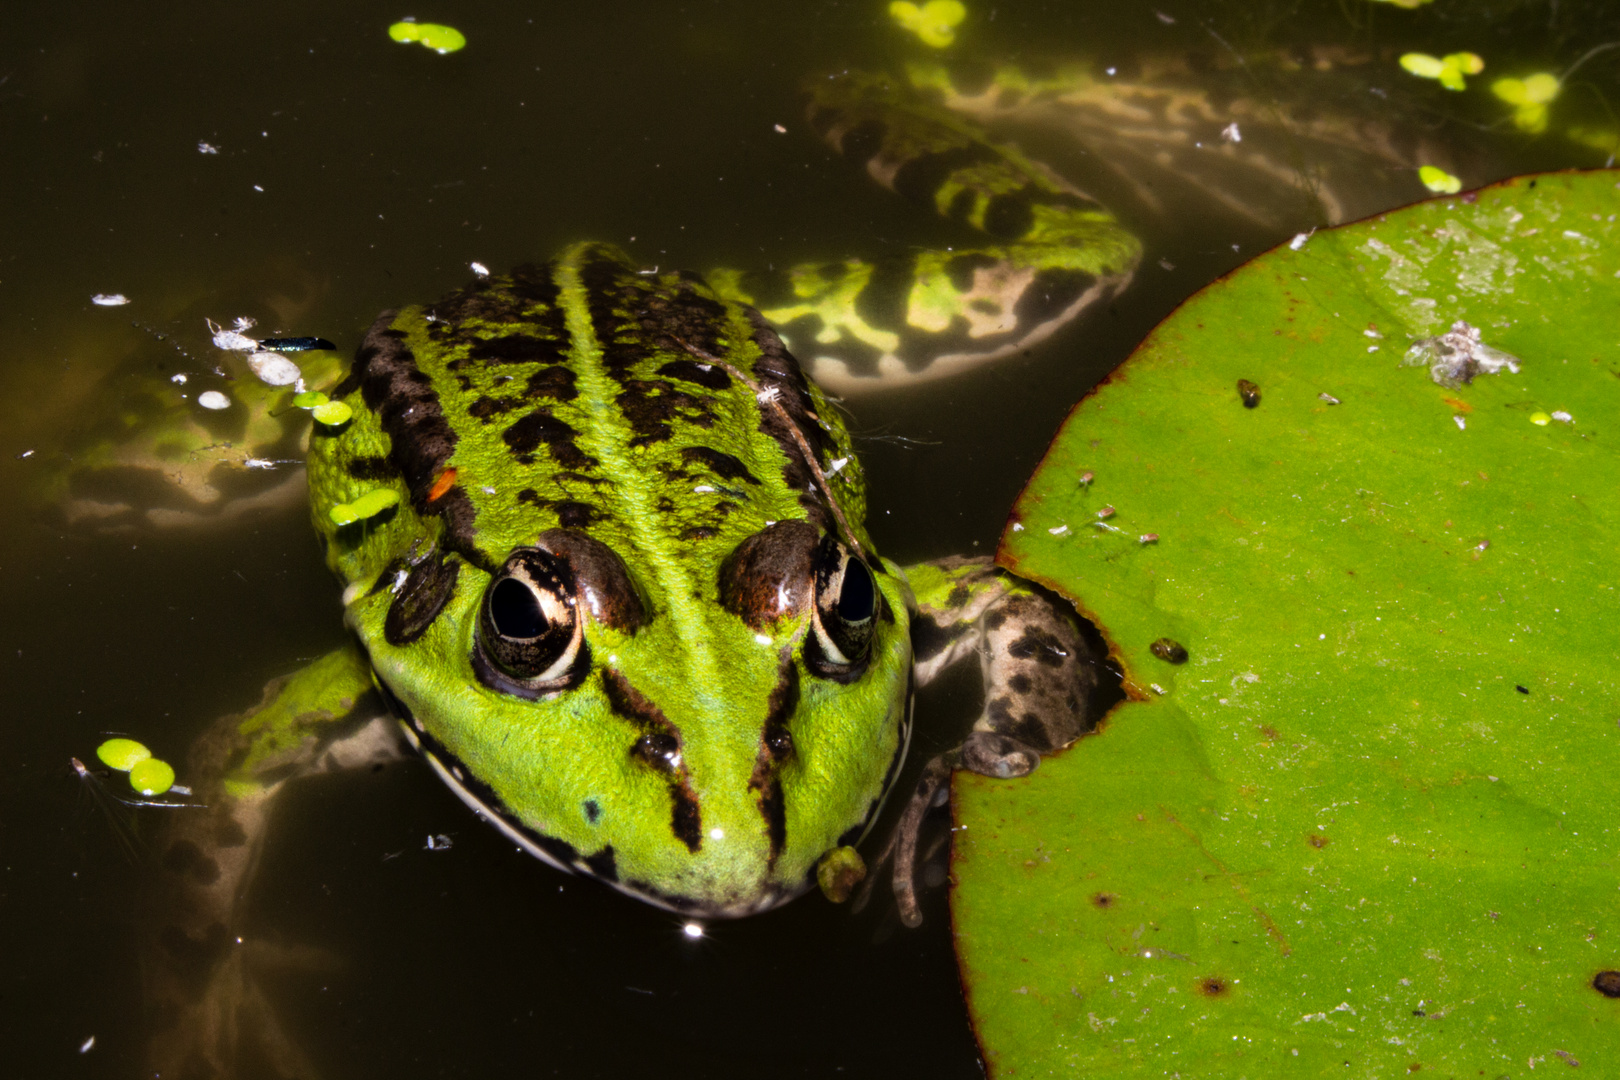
[[1231, 133], [88, 1045], [116, 299], [479, 268], [178, 380], [213, 399], [207, 148], [780, 130]]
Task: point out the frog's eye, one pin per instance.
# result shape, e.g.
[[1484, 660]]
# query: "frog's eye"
[[846, 613], [530, 638]]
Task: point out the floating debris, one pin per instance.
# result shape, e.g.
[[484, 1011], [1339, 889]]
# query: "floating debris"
[[1249, 392], [1455, 357], [273, 369], [479, 268], [1327, 397], [1540, 419], [213, 399], [102, 299], [934, 23], [295, 344], [1462, 425], [207, 148], [234, 339], [1169, 650]]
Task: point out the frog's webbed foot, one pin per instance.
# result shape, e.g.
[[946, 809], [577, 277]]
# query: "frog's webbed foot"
[[1040, 681], [202, 977]]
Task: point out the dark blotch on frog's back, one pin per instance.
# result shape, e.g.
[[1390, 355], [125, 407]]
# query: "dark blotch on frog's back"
[[571, 514], [421, 440], [724, 465], [715, 378], [556, 382], [539, 428]]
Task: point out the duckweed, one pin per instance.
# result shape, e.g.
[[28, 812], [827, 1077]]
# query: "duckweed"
[[1529, 97], [441, 39], [122, 754], [1449, 69], [1439, 181], [366, 506], [934, 23], [152, 776]]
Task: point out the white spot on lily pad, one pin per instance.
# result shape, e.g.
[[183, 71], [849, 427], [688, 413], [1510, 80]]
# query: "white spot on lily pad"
[[1059, 531], [1455, 357]]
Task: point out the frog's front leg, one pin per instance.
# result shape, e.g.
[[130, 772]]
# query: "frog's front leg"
[[1039, 678], [206, 1007]]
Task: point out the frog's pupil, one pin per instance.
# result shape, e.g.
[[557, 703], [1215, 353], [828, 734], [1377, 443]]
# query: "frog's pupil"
[[515, 610], [855, 598]]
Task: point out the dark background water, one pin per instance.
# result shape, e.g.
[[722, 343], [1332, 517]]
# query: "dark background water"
[[354, 174]]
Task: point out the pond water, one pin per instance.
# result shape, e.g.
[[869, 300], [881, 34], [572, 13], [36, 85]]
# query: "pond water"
[[291, 163]]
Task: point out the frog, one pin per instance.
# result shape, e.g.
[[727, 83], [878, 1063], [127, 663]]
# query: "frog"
[[624, 602], [600, 538]]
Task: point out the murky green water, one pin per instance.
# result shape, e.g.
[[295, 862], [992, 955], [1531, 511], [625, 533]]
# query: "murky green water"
[[354, 174]]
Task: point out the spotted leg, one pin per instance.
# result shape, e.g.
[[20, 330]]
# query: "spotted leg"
[[207, 1009], [1038, 681]]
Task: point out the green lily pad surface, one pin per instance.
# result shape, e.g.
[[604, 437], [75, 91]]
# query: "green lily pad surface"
[[1368, 828]]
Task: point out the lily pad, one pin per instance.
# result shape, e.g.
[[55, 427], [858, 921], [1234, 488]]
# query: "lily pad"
[[1364, 829]]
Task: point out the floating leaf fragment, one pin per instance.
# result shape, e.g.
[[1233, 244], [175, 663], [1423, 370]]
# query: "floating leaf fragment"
[[152, 776], [441, 39], [1530, 97], [309, 399], [1439, 181], [1540, 419], [122, 754], [441, 484], [1448, 70], [934, 23], [273, 369], [366, 506]]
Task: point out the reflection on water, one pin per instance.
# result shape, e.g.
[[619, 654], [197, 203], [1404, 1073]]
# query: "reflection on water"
[[344, 174]]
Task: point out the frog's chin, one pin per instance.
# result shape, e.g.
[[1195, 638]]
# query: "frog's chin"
[[564, 856]]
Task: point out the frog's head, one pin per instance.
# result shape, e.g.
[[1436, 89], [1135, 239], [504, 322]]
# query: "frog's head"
[[699, 740]]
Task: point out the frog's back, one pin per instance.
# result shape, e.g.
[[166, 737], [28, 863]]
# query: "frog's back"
[[586, 395]]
